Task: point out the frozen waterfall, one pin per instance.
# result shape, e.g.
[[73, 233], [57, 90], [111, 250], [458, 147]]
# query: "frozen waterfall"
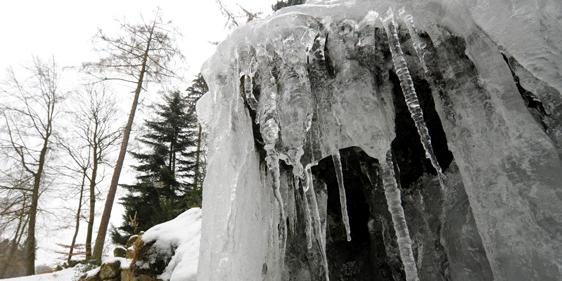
[[316, 133]]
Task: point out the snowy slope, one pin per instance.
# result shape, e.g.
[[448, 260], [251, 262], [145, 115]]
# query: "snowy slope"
[[64, 275]]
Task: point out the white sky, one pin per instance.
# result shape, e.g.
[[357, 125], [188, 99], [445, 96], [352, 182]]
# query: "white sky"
[[63, 29]]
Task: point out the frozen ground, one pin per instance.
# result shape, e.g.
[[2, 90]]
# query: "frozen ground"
[[69, 274]]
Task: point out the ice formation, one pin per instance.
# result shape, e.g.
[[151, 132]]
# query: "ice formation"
[[291, 90], [341, 188], [407, 85], [394, 202], [308, 217], [419, 47], [319, 231]]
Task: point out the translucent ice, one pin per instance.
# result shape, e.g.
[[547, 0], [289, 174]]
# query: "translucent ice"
[[308, 220], [336, 158], [419, 47], [505, 161], [319, 230], [408, 89], [367, 26], [394, 202]]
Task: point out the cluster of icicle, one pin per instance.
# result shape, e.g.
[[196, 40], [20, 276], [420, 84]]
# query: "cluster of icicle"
[[266, 107]]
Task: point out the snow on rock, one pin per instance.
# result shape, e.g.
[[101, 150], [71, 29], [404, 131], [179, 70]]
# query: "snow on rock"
[[178, 239]]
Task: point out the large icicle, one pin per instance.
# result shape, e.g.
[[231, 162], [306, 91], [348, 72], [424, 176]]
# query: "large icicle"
[[308, 219], [419, 47], [336, 158], [269, 129], [273, 164], [320, 238], [409, 91], [394, 202], [308, 177]]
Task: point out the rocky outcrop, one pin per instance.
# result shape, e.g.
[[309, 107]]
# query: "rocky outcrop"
[[123, 268], [167, 251]]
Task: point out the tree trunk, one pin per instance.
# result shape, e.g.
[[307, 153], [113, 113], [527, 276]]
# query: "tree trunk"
[[104, 222], [78, 211], [30, 241], [92, 212]]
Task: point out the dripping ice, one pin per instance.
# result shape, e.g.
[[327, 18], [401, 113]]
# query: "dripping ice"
[[269, 129], [408, 90], [317, 222], [336, 158], [294, 80], [419, 47], [394, 202]]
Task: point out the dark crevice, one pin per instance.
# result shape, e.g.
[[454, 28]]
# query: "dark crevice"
[[533, 103], [328, 60], [256, 91], [372, 254]]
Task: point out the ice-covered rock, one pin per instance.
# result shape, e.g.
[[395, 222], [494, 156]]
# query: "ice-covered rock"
[[464, 96]]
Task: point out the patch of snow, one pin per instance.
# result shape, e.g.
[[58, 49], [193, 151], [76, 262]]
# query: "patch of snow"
[[69, 274], [93, 272], [124, 262], [178, 237]]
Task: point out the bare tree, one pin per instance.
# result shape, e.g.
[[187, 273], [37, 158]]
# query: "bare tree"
[[81, 164], [141, 54], [95, 127], [231, 21], [231, 17], [30, 126]]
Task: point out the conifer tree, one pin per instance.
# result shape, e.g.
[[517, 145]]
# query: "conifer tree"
[[165, 176], [286, 3], [194, 93]]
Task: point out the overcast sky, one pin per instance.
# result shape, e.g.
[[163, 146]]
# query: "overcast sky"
[[63, 29]]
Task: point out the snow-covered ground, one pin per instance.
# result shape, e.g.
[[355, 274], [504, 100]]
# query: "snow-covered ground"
[[69, 274]]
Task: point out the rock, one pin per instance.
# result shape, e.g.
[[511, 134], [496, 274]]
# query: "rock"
[[130, 253], [144, 277], [132, 240], [110, 270], [85, 277], [126, 275], [120, 252]]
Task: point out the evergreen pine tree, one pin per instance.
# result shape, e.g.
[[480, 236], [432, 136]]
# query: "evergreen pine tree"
[[194, 92], [285, 3], [165, 176]]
